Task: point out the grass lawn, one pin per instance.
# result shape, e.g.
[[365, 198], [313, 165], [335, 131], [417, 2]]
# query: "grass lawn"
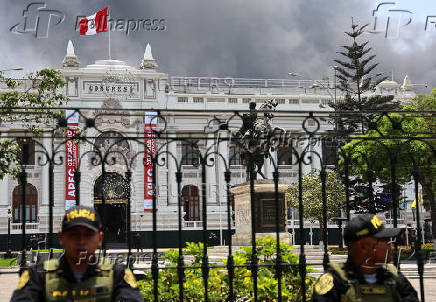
[[8, 262], [47, 250]]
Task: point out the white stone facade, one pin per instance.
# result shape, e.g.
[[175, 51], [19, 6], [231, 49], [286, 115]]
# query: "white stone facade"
[[145, 89]]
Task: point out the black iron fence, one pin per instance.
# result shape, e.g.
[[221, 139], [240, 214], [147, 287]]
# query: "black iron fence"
[[122, 161]]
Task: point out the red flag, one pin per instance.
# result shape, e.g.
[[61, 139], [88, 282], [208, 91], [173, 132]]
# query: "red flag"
[[97, 23]]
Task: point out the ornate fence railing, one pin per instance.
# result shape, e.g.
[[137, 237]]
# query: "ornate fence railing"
[[140, 163]]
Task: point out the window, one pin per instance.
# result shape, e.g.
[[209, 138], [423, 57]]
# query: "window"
[[198, 100], [111, 141], [246, 100], [31, 203], [189, 154], [233, 100], [280, 101], [329, 152], [235, 155], [182, 99], [294, 101], [191, 203], [27, 154], [284, 155]]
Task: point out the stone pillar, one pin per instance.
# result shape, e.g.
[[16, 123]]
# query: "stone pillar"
[[211, 183], [172, 168], [223, 149], [306, 168], [264, 190], [317, 150], [4, 183], [45, 184]]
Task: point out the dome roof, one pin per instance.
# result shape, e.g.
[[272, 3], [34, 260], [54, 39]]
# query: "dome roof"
[[388, 85]]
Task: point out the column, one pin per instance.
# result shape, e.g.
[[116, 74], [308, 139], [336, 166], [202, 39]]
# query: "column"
[[46, 142], [211, 183], [317, 150], [223, 149], [4, 183], [172, 168], [306, 168]]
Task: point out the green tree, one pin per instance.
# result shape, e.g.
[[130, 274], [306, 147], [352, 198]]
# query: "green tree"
[[424, 102], [357, 82], [24, 106], [312, 196], [399, 141]]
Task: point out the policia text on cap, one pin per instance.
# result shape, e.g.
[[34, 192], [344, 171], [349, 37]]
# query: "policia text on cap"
[[365, 276], [76, 276]]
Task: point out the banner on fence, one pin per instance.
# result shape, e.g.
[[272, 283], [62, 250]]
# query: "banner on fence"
[[72, 158], [150, 123]]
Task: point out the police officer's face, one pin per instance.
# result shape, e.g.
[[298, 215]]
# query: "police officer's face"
[[370, 253], [80, 243]]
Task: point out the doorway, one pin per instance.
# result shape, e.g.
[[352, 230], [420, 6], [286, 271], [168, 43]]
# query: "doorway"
[[114, 190]]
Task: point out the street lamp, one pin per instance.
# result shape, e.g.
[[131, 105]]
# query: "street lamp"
[[12, 69], [9, 252], [15, 69], [293, 74]]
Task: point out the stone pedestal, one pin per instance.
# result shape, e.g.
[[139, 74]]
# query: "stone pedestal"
[[264, 214]]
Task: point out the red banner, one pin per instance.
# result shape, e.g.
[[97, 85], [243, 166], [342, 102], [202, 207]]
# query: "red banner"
[[72, 158], [150, 123]]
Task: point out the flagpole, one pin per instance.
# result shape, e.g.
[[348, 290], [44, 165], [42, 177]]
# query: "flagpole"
[[109, 29]]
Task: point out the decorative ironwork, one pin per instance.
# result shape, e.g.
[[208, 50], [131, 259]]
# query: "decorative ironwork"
[[108, 158]]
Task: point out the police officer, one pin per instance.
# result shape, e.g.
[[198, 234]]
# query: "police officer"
[[365, 276], [78, 275]]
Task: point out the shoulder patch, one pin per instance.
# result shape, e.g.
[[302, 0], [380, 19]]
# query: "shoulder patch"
[[324, 284], [129, 278], [24, 278]]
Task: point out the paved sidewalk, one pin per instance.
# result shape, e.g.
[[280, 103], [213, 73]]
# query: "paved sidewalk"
[[8, 282]]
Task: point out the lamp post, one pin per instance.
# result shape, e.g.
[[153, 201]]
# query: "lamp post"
[[9, 252], [12, 69]]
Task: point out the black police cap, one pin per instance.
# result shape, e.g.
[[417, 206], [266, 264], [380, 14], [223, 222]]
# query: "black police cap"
[[368, 225], [81, 216]]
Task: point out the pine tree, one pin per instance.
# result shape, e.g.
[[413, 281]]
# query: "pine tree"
[[356, 80]]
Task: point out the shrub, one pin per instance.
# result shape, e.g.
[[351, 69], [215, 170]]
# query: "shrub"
[[218, 281]]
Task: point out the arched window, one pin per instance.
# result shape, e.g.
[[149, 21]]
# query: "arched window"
[[191, 203], [31, 201]]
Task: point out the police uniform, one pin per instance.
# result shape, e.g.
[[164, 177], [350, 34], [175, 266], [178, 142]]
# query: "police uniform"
[[345, 283], [54, 280], [342, 282]]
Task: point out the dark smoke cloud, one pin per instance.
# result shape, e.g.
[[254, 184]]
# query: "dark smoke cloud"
[[255, 39]]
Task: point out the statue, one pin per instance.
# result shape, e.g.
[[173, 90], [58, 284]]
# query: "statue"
[[254, 137]]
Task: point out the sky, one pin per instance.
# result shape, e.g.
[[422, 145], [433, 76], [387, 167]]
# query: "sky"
[[227, 38]]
